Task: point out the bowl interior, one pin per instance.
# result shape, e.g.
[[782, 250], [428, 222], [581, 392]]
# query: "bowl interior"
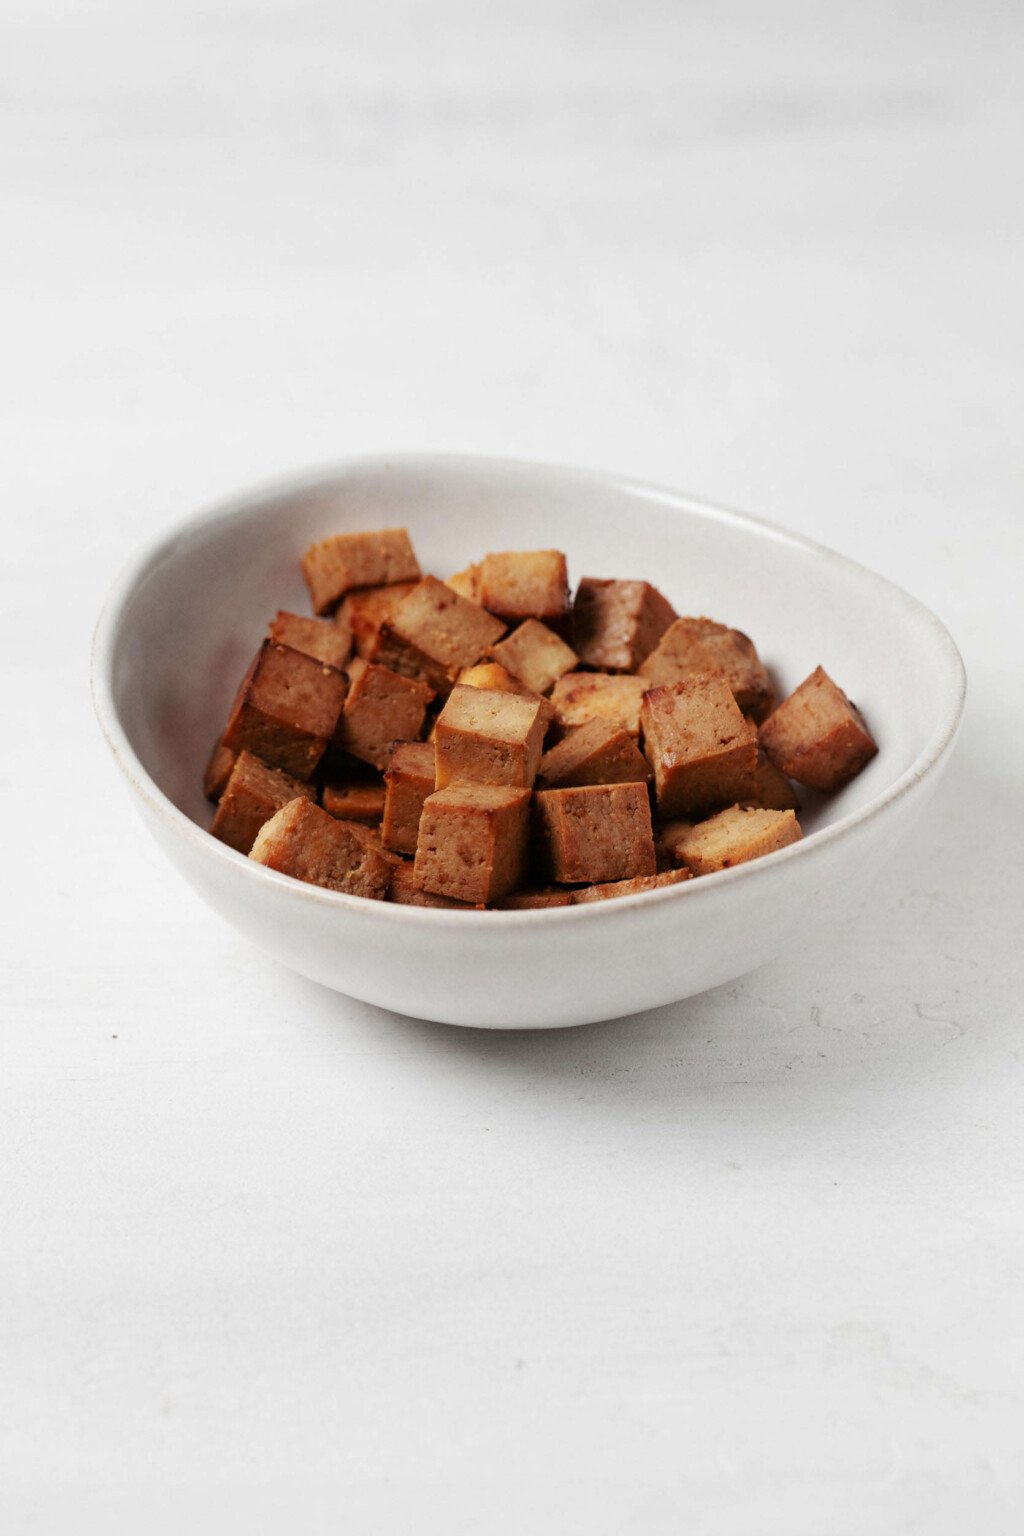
[[187, 622]]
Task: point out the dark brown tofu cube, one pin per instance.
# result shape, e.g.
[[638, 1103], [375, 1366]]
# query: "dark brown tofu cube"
[[434, 633], [303, 841], [735, 836], [355, 800], [524, 584], [286, 709], [772, 790], [408, 780], [702, 749], [319, 638], [489, 737], [610, 889], [594, 833], [472, 841], [581, 696], [382, 707], [218, 771], [692, 646], [251, 796], [535, 654], [817, 736], [595, 753], [348, 560], [362, 613], [616, 624]]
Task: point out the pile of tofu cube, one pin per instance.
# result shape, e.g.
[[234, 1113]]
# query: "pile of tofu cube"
[[489, 741]]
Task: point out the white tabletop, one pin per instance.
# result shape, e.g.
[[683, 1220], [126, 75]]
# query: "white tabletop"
[[274, 1260]]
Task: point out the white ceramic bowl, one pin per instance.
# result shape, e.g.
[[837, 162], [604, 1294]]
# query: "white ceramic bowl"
[[184, 620]]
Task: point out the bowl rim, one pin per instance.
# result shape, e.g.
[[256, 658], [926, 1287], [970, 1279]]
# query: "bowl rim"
[[164, 543]]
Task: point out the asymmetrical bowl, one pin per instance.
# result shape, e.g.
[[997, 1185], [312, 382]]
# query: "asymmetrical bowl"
[[185, 618]]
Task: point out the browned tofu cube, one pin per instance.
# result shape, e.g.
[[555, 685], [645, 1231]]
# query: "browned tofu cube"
[[347, 560], [319, 638], [434, 633], [491, 674], [466, 583], [530, 901], [382, 707], [535, 654], [691, 646], [735, 836], [595, 753], [355, 800], [616, 624], [668, 835], [612, 888], [286, 709], [581, 696], [488, 737], [594, 833], [702, 749], [408, 780], [252, 794], [817, 736], [362, 613], [472, 841], [370, 838], [772, 790], [303, 841], [218, 771], [525, 584], [407, 890]]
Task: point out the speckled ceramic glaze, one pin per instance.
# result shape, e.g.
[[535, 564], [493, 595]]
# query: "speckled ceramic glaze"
[[184, 620]]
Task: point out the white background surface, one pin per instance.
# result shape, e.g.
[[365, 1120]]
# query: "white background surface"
[[272, 1260]]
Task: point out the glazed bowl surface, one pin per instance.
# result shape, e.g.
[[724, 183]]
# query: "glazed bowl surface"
[[185, 618]]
